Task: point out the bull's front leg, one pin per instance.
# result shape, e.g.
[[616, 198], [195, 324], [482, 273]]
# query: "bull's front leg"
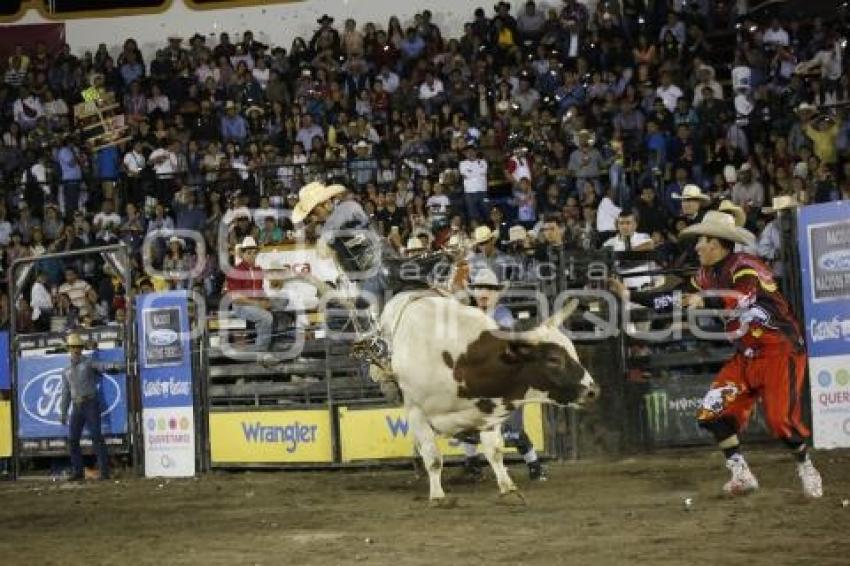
[[493, 447], [426, 445]]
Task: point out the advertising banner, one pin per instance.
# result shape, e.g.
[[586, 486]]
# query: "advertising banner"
[[165, 370], [670, 407], [824, 239], [5, 429], [375, 434], [5, 362], [40, 393], [271, 437]]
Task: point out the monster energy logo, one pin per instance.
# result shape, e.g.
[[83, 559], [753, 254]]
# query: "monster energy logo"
[[657, 405]]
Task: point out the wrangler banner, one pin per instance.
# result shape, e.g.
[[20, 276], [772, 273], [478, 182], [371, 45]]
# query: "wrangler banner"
[[375, 434], [824, 239], [5, 429], [271, 437]]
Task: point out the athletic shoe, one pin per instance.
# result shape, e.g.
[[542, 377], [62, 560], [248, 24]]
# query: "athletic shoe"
[[810, 478], [743, 481], [536, 472]]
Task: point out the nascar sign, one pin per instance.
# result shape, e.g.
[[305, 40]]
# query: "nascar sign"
[[375, 434], [40, 393], [824, 239], [165, 369]]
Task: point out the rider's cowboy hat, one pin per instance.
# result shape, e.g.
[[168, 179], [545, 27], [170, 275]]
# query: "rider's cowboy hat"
[[719, 225], [312, 195], [176, 240], [74, 341], [482, 235], [737, 212], [691, 192]]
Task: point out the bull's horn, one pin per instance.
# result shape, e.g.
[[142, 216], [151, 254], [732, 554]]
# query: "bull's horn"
[[557, 319]]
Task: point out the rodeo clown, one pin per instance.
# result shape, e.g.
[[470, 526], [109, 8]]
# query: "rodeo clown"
[[770, 362], [485, 291]]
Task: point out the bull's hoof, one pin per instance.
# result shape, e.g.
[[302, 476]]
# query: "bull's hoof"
[[443, 503], [513, 497]]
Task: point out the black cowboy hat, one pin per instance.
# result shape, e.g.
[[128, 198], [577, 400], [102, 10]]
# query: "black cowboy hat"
[[325, 19]]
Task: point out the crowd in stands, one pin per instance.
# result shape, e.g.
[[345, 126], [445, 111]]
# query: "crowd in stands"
[[550, 124]]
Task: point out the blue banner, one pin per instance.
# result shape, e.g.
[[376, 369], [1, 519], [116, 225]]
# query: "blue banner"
[[824, 234], [824, 239], [165, 349], [5, 359], [40, 392]]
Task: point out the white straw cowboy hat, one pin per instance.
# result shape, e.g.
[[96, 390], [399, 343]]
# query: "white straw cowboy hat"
[[719, 225], [248, 243], [414, 244], [176, 240], [780, 203], [737, 212], [485, 279], [482, 235], [312, 195], [74, 341], [517, 234], [691, 192]]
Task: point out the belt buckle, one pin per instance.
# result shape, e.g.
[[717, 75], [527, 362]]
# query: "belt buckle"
[[750, 352]]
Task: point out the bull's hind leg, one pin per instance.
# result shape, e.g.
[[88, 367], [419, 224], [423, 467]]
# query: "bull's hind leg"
[[426, 445], [493, 446]]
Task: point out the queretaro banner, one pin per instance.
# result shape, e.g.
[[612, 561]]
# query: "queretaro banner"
[[40, 393], [824, 238], [165, 369]]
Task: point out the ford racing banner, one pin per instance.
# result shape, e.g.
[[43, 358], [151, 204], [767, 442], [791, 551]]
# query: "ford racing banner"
[[824, 238], [40, 392], [165, 369]]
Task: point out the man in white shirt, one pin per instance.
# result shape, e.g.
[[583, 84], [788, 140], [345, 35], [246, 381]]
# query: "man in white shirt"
[[75, 288], [107, 220], [629, 239], [473, 170], [164, 163], [389, 79], [668, 92], [41, 303], [431, 92], [307, 132], [775, 35], [27, 109]]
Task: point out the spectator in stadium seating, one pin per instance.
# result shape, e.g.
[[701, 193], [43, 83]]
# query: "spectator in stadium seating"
[[245, 289], [41, 302], [473, 170], [75, 288]]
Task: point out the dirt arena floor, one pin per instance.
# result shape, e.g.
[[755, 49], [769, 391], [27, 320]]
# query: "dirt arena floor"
[[629, 511]]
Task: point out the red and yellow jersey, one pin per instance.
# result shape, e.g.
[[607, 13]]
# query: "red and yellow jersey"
[[757, 301]]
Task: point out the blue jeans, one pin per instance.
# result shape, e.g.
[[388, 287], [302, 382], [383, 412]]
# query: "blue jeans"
[[476, 207], [87, 413], [71, 196], [262, 320]]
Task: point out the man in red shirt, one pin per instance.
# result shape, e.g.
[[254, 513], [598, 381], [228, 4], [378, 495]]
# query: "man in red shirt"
[[770, 362], [248, 301]]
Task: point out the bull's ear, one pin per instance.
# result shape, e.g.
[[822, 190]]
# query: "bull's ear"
[[517, 351]]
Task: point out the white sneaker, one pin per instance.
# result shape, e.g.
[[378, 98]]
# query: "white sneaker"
[[810, 478], [743, 481]]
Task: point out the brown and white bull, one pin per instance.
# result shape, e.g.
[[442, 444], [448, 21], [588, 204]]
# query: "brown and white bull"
[[458, 372]]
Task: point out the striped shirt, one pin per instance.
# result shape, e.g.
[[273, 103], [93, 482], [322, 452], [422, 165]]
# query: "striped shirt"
[[76, 291]]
